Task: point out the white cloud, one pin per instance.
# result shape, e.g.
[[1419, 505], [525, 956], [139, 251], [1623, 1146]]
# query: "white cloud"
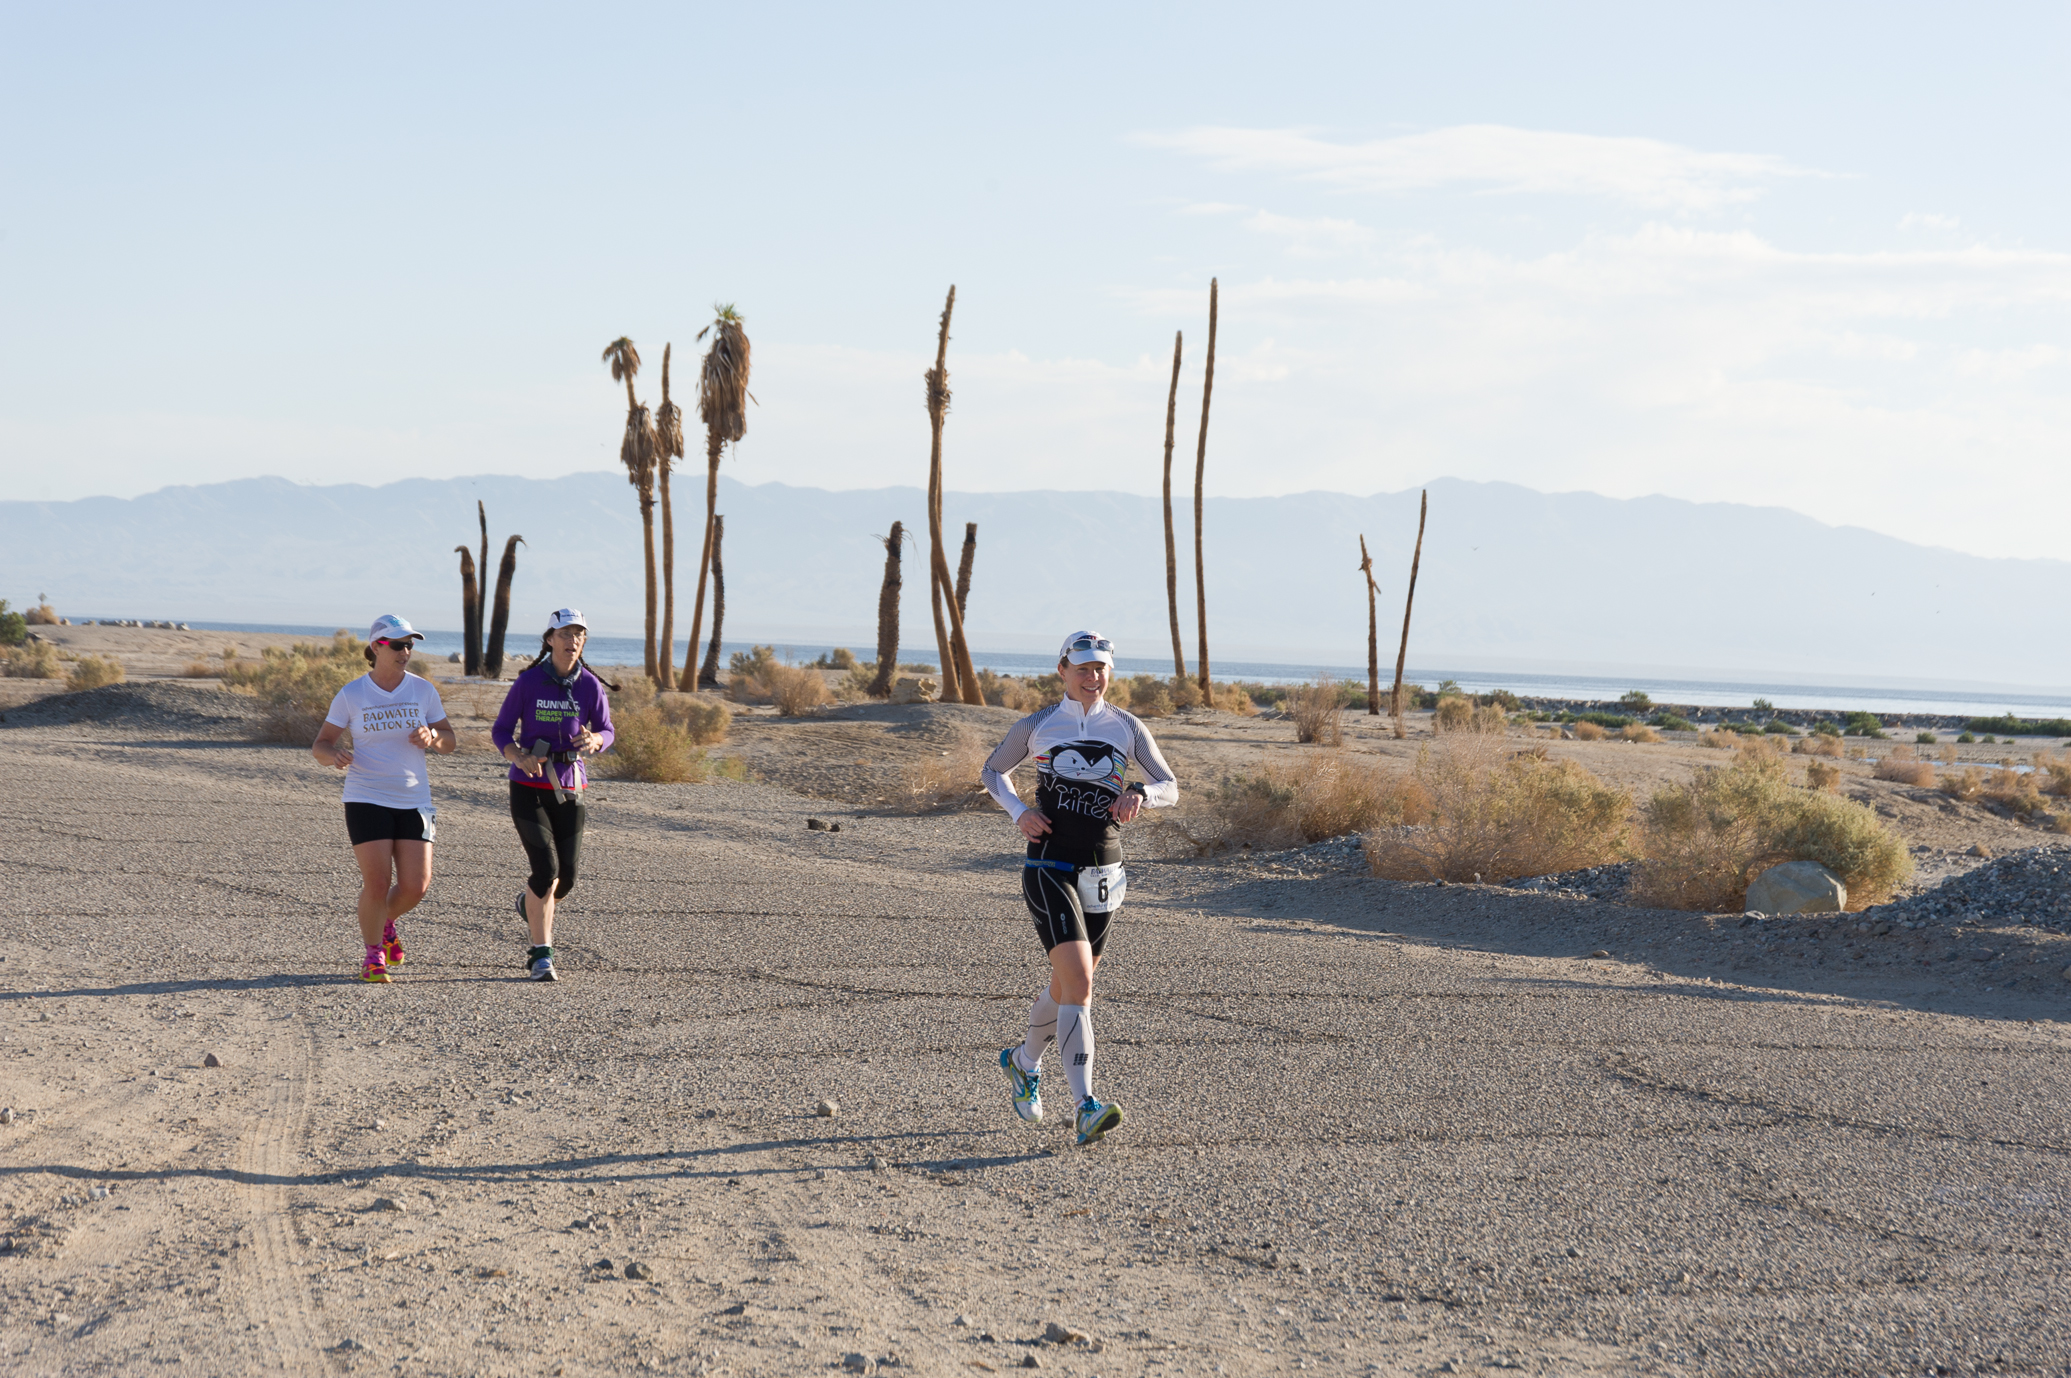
[[1310, 237], [1919, 220], [1496, 158]]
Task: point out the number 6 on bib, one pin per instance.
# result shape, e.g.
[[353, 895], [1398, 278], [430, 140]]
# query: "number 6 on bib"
[[1101, 888]]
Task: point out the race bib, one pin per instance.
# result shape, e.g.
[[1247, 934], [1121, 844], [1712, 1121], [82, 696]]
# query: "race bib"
[[1101, 887]]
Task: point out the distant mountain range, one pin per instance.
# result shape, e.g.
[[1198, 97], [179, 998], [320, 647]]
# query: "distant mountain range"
[[1511, 578]]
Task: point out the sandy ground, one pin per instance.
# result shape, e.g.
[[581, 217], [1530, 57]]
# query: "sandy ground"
[[1371, 1127]]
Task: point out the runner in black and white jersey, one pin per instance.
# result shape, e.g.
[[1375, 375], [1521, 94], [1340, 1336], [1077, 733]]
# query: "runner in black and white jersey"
[[1072, 878]]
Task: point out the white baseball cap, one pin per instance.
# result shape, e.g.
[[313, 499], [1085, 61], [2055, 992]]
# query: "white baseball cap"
[[567, 617], [1082, 647], [389, 627]]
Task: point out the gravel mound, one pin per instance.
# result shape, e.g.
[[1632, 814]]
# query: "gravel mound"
[[2032, 887], [1589, 883], [158, 705]]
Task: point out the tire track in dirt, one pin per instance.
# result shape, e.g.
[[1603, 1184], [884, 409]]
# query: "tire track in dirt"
[[276, 1295]]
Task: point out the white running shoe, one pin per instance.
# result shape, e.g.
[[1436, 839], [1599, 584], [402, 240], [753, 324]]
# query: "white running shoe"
[[539, 965], [1028, 1087], [1095, 1120]]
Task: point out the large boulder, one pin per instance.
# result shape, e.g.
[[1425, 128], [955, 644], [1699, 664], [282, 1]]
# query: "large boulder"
[[910, 690], [1797, 887]]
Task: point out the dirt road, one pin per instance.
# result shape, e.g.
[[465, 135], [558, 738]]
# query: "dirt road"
[[1371, 1127]]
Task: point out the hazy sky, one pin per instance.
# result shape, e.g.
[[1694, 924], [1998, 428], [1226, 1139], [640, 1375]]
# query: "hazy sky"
[[1812, 256]]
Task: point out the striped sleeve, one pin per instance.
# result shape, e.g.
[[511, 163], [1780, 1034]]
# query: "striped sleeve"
[[1160, 785], [1008, 755]]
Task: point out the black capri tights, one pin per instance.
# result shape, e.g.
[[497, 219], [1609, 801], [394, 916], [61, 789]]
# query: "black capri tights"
[[549, 831]]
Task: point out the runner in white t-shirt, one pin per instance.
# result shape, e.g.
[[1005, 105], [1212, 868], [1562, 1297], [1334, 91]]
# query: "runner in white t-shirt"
[[394, 717]]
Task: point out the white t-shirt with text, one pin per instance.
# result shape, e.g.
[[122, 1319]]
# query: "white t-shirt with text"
[[387, 767]]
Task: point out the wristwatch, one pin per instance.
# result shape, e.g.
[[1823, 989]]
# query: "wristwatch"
[[1136, 788]]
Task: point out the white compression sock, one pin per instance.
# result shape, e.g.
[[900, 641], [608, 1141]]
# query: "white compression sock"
[[1075, 1046], [1042, 1027]]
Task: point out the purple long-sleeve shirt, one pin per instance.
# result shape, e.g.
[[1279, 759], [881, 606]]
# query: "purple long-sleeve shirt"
[[541, 707]]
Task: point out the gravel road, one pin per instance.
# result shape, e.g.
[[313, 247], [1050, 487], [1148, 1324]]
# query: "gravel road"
[[1371, 1127]]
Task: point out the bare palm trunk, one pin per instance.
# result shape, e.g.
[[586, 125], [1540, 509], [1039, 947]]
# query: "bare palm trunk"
[[956, 652], [888, 615], [647, 535], [470, 615], [667, 666], [1200, 470], [963, 569], [1373, 633], [714, 446], [1179, 654], [709, 676], [1408, 600], [500, 614], [482, 574]]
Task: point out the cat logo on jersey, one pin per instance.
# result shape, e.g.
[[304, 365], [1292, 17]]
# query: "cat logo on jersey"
[[1086, 763]]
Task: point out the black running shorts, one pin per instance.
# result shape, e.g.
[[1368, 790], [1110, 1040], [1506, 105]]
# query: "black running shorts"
[[1058, 896], [379, 823]]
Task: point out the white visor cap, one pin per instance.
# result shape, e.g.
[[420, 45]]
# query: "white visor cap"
[[389, 627], [567, 617], [1081, 648]]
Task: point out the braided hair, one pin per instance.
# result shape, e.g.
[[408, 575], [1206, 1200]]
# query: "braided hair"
[[546, 653]]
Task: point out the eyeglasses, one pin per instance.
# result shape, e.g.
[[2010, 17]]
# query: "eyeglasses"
[[403, 645], [1092, 643]]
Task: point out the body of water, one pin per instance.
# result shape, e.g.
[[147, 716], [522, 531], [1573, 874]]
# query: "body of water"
[[626, 650]]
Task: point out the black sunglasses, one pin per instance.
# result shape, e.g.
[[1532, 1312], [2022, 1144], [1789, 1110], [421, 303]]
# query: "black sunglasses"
[[403, 645]]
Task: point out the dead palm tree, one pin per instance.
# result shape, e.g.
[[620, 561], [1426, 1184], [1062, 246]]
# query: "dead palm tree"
[[963, 569], [1179, 654], [723, 406], [470, 615], [959, 679], [1373, 632], [482, 577], [709, 676], [500, 611], [637, 452], [668, 431], [1409, 599], [1200, 469], [888, 614]]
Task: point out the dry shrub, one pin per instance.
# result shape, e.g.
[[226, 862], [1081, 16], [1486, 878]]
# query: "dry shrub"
[[42, 615], [1704, 841], [1584, 731], [647, 747], [298, 684], [36, 660], [1904, 767], [1230, 698], [1639, 732], [1966, 786], [2053, 774], [703, 718], [91, 672], [2012, 790], [1317, 712], [948, 780], [1816, 745], [1454, 714], [1820, 775], [1005, 691], [1186, 693], [759, 677], [1500, 818], [1318, 794], [198, 669], [1148, 696]]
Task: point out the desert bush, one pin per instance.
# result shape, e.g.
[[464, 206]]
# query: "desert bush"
[[33, 660], [1287, 803], [703, 718], [947, 780], [1317, 713], [757, 676], [1231, 697], [2007, 725], [1671, 722], [1862, 724], [840, 658], [1905, 772], [1453, 713], [42, 615], [198, 669], [1497, 818], [298, 684], [1637, 700], [1150, 698], [1818, 744], [1586, 731], [14, 628], [1185, 692], [1924, 738], [1821, 775], [1704, 841], [91, 672], [2053, 774], [1005, 691], [1777, 727], [1639, 733], [1827, 729], [648, 747]]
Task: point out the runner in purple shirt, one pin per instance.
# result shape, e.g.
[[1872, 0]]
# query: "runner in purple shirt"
[[555, 713]]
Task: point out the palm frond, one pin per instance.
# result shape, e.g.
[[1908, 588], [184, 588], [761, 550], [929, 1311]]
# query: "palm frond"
[[639, 449], [623, 358], [668, 419]]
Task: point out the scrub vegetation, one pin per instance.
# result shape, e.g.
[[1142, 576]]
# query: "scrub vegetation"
[[298, 684]]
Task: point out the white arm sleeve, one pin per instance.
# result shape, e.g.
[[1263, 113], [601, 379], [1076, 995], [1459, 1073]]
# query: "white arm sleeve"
[[1001, 764], [1160, 785]]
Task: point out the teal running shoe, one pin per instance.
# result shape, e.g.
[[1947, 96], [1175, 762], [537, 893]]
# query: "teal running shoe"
[[1095, 1120], [1028, 1087]]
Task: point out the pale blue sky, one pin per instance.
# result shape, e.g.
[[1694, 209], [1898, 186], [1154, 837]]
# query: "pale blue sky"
[[1820, 260]]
